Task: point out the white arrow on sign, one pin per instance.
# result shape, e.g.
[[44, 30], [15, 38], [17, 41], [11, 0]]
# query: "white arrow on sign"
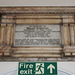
[[51, 67]]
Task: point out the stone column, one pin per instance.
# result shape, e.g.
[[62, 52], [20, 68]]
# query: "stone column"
[[66, 39], [72, 34]]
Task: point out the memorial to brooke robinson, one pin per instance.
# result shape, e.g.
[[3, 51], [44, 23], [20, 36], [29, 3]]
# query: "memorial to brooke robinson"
[[37, 35], [37, 32]]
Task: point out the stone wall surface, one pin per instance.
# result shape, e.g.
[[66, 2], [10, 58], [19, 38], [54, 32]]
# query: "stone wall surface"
[[12, 16]]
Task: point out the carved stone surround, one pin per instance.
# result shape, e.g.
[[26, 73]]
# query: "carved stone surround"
[[65, 16]]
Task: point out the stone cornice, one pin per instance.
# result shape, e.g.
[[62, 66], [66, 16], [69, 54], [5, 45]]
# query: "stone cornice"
[[38, 10]]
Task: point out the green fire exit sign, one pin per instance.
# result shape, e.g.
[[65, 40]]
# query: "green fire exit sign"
[[37, 68]]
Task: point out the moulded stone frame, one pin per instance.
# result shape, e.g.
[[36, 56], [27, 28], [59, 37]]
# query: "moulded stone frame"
[[48, 15]]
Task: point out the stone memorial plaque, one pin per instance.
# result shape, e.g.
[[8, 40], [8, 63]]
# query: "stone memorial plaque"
[[37, 35]]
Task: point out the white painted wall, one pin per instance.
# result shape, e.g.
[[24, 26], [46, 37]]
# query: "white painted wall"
[[37, 2], [6, 67]]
